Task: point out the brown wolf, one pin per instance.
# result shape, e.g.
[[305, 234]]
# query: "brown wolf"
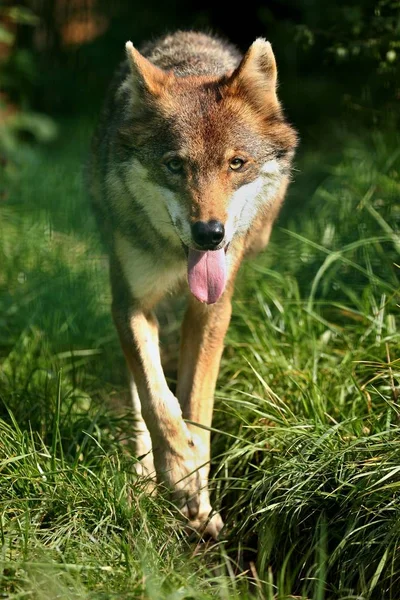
[[189, 167]]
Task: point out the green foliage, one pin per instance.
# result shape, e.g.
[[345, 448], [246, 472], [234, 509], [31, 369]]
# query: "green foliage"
[[19, 71], [368, 30], [17, 76], [351, 50]]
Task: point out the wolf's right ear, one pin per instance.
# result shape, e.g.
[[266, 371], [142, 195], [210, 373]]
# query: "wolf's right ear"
[[144, 76]]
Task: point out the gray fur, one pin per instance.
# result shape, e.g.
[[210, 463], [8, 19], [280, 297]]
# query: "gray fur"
[[191, 53]]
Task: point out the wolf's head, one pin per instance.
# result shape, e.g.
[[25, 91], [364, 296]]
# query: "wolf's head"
[[211, 151]]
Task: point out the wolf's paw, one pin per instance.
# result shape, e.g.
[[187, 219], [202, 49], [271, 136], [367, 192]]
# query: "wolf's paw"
[[178, 472], [206, 524], [186, 481]]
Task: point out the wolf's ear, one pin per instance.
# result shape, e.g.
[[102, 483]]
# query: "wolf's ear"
[[144, 76], [256, 75]]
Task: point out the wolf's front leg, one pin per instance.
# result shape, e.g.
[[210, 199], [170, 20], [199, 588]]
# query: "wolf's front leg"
[[203, 333], [174, 449]]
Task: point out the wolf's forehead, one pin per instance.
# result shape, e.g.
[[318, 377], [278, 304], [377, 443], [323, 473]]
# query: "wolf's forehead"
[[202, 125]]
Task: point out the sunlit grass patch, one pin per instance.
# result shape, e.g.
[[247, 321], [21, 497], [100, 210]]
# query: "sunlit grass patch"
[[306, 444]]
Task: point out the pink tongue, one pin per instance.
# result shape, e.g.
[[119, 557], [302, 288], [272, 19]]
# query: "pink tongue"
[[207, 274]]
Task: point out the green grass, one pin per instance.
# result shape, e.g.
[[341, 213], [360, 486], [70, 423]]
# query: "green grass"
[[306, 443]]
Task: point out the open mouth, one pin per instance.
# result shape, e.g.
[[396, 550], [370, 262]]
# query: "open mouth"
[[207, 273]]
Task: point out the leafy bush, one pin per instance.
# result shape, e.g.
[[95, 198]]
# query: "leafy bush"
[[18, 124]]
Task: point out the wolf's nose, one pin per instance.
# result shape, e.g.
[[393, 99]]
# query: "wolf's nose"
[[208, 235]]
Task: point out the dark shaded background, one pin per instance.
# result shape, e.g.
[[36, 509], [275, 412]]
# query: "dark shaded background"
[[334, 58]]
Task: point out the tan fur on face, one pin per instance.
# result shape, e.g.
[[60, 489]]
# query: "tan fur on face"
[[204, 113]]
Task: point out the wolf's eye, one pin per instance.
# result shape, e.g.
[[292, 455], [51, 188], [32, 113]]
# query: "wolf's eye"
[[175, 165], [236, 163]]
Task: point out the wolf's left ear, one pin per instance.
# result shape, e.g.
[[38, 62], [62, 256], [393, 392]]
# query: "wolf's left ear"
[[256, 75], [144, 75]]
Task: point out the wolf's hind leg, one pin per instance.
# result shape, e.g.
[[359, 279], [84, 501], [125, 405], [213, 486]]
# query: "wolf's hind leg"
[[143, 445]]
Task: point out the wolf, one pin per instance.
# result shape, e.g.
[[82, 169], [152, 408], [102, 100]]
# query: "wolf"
[[189, 166]]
